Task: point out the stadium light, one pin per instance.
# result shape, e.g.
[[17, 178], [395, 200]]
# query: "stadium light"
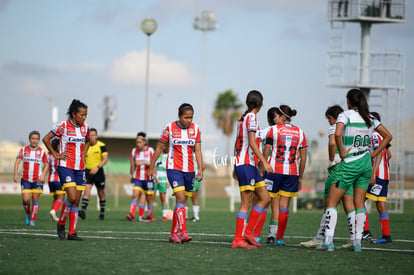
[[148, 26]]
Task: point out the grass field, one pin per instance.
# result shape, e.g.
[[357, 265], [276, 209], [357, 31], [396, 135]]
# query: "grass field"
[[116, 246]]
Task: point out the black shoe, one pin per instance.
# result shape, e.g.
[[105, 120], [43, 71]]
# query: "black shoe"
[[366, 235], [270, 240], [194, 219], [101, 216], [61, 231], [82, 214], [74, 237]]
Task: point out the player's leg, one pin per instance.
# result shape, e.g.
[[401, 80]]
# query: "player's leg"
[[26, 197], [85, 200]]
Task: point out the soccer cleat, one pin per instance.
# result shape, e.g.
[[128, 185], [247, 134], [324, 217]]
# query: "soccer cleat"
[[184, 237], [356, 248], [250, 239], [326, 247], [194, 219], [74, 237], [130, 218], [311, 243], [347, 245], [383, 240], [32, 223], [53, 216], [144, 219], [82, 214], [164, 219], [174, 238], [101, 216], [27, 219], [366, 235], [270, 240], [61, 231], [257, 239], [242, 244], [280, 242]]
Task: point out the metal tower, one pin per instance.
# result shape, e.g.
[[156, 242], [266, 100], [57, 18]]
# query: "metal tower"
[[380, 75]]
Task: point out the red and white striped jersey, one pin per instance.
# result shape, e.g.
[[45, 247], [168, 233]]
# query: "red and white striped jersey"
[[53, 174], [140, 172], [383, 171], [72, 141], [286, 139], [181, 145], [32, 162], [242, 151]]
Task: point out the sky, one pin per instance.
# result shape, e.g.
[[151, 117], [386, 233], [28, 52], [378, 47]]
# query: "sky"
[[55, 51]]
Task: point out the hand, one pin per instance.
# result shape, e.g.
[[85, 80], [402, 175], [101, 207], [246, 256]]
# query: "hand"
[[268, 168], [199, 175], [299, 184], [234, 174], [63, 155], [150, 173], [372, 180], [41, 178], [94, 171], [16, 178]]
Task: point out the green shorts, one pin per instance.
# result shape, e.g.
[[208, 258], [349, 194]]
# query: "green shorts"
[[161, 186], [356, 173], [333, 177], [196, 184]]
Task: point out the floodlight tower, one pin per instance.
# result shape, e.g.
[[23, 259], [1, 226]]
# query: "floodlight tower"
[[381, 75]]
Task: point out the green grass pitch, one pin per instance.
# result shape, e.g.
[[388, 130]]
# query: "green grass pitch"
[[116, 246]]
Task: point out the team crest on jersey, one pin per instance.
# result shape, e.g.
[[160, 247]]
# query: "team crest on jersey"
[[38, 153], [83, 130], [68, 179], [191, 131]]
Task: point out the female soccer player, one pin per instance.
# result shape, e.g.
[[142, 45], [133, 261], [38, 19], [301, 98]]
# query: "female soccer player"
[[248, 176], [353, 132], [33, 176], [55, 186], [378, 187], [183, 139], [285, 140], [331, 115], [141, 157], [74, 142]]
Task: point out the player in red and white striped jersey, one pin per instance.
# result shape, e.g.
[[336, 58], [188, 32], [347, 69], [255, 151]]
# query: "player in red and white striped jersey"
[[248, 175], [183, 138], [378, 187], [286, 142], [33, 175], [74, 142], [140, 158]]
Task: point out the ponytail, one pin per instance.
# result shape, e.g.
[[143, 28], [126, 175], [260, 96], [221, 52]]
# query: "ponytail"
[[357, 99]]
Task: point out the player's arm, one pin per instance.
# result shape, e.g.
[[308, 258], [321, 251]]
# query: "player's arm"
[[16, 169], [302, 164], [158, 151], [256, 151], [199, 159], [46, 141], [386, 139], [338, 140], [44, 171]]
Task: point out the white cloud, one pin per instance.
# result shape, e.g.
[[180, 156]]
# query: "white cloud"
[[35, 87], [130, 69]]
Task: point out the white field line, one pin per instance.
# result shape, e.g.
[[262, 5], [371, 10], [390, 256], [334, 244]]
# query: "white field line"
[[85, 235]]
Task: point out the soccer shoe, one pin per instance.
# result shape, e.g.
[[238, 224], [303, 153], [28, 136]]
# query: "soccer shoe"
[[347, 245], [326, 247], [366, 235], [280, 242], [174, 238], [101, 216], [53, 216], [270, 240], [311, 243], [82, 214], [194, 219], [74, 237], [32, 223], [250, 239], [242, 244], [257, 239], [164, 219], [184, 237], [356, 248], [27, 219], [130, 218], [383, 240], [144, 219], [61, 231]]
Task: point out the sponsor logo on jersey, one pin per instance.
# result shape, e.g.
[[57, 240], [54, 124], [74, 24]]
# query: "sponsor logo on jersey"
[[76, 139], [183, 142], [31, 160]]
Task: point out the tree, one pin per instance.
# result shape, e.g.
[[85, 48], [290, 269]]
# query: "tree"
[[226, 112]]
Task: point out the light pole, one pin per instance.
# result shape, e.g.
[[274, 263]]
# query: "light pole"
[[148, 26], [207, 22]]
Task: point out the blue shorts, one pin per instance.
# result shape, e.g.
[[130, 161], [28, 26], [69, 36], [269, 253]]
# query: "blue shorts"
[[55, 188], [288, 185], [144, 186], [69, 177], [181, 181], [378, 191], [31, 187], [272, 184], [248, 177]]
